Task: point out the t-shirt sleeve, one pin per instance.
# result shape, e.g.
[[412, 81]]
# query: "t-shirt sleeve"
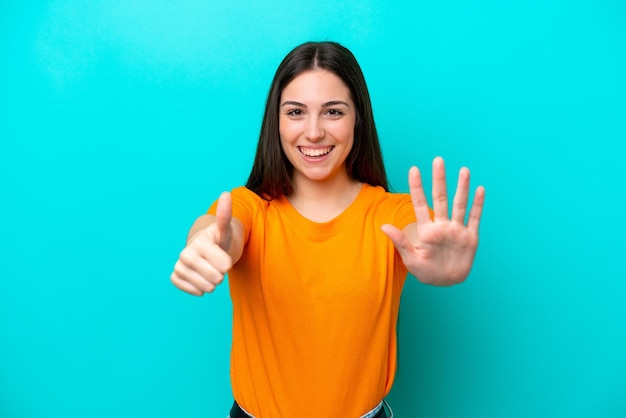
[[245, 205], [405, 213]]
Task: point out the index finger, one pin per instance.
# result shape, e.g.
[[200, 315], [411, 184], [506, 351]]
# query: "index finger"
[[418, 197]]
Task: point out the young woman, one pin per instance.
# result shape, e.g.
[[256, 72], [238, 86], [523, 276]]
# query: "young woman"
[[317, 249]]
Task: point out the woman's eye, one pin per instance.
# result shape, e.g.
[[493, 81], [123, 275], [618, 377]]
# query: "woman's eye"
[[294, 112], [334, 112]]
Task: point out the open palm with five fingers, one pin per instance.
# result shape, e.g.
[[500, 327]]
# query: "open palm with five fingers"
[[439, 250]]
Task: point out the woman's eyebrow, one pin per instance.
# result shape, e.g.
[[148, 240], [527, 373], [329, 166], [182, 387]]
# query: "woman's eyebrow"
[[292, 103], [335, 103], [327, 104]]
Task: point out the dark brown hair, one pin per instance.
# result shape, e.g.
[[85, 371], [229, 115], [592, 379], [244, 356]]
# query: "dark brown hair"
[[272, 172]]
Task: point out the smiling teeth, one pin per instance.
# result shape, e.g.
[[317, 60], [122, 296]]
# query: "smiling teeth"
[[315, 152]]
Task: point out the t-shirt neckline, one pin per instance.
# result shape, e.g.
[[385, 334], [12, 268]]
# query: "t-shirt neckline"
[[331, 227]]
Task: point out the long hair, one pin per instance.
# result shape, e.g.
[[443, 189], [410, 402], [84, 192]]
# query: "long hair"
[[272, 172]]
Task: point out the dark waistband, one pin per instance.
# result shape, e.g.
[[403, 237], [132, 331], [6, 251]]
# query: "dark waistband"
[[237, 412]]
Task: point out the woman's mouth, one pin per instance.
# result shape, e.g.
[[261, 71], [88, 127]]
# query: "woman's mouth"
[[315, 152]]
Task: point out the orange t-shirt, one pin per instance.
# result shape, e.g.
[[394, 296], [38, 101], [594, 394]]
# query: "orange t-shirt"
[[315, 306]]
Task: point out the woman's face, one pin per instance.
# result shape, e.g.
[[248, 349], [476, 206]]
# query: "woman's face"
[[316, 124]]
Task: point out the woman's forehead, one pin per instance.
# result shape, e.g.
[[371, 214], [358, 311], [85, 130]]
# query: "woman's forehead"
[[314, 85]]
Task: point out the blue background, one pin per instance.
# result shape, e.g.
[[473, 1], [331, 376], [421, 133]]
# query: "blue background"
[[121, 121]]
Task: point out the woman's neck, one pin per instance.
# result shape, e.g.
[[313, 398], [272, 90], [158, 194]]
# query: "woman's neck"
[[322, 201]]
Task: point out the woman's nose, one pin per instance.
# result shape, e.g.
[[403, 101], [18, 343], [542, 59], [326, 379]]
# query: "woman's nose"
[[314, 130]]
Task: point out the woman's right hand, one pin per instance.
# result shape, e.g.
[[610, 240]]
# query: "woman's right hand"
[[205, 260]]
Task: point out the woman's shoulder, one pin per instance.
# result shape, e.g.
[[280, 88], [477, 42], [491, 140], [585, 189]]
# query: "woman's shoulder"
[[244, 193], [380, 195], [244, 196], [391, 207], [243, 199]]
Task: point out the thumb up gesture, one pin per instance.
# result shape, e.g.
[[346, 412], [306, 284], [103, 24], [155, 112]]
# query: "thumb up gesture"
[[205, 260]]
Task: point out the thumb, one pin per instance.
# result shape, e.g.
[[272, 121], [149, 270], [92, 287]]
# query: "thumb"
[[223, 216], [400, 241]]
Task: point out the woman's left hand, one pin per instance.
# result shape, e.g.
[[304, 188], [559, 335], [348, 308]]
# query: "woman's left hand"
[[439, 251]]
